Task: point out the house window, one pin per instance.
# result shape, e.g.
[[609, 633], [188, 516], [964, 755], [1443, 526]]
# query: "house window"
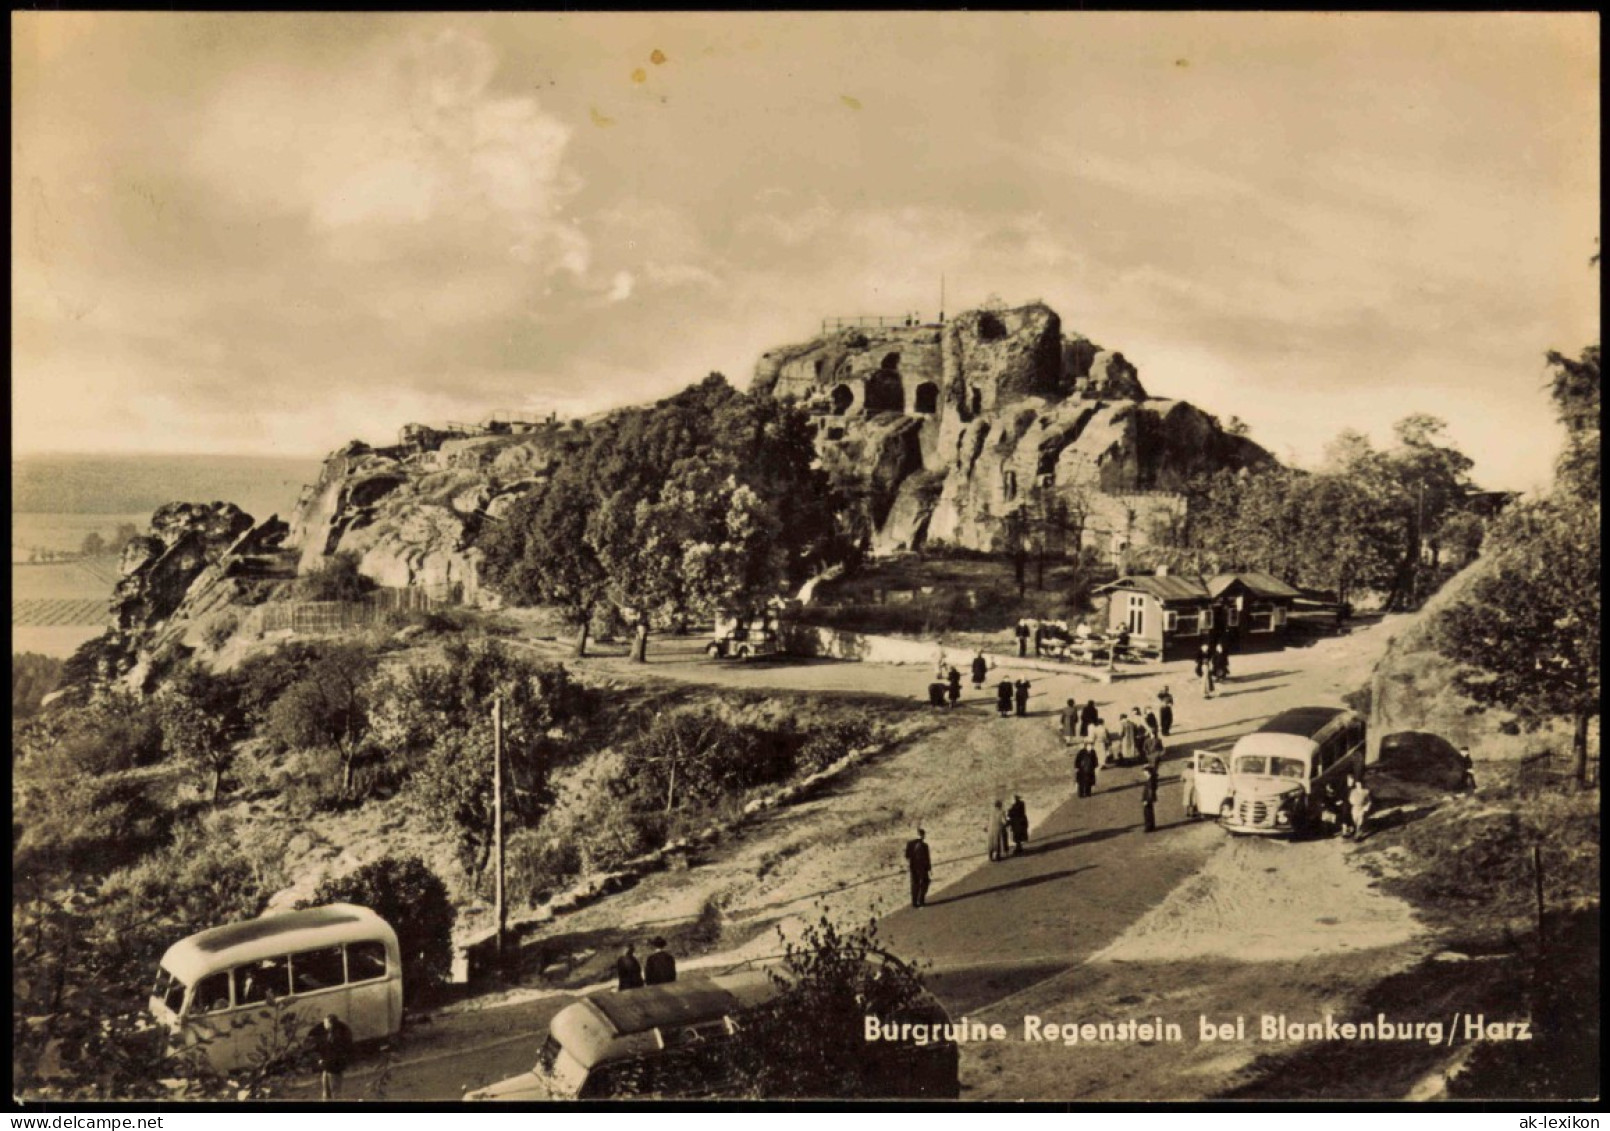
[[1261, 618], [1188, 623], [1170, 620], [1280, 616], [1232, 616], [1137, 615]]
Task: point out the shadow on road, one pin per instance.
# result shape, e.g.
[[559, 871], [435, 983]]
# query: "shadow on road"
[[1248, 691], [1058, 844], [1026, 882]]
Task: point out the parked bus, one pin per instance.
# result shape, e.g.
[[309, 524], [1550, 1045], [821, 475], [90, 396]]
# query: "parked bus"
[[675, 1040], [1281, 773], [228, 989]]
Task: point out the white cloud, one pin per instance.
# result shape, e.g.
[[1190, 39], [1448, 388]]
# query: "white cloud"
[[620, 288]]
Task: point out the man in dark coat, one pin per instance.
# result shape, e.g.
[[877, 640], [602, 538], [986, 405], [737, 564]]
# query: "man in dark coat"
[[628, 971], [1088, 717], [1165, 711], [1084, 768], [980, 671], [1003, 698], [332, 1045], [1148, 798], [953, 682], [1021, 695], [919, 862], [1017, 817], [1221, 663], [660, 967], [1022, 638]]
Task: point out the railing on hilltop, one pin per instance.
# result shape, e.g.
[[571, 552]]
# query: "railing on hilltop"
[[871, 321]]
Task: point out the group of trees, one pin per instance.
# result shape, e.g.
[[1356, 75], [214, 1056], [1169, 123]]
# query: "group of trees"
[[1366, 519], [705, 500], [1527, 630]]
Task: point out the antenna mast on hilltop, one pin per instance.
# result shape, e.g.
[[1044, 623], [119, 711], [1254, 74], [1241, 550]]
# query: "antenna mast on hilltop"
[[941, 299]]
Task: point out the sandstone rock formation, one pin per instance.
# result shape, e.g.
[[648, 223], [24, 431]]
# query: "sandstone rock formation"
[[957, 432]]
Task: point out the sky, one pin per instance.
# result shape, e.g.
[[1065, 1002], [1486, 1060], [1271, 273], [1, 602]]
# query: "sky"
[[270, 234]]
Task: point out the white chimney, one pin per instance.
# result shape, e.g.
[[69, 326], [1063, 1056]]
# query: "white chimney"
[[1162, 571]]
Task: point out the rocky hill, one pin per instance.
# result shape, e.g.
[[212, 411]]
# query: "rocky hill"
[[952, 428], [947, 431]]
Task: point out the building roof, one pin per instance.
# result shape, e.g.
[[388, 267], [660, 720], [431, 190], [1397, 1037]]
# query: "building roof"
[[1168, 588], [1257, 583]]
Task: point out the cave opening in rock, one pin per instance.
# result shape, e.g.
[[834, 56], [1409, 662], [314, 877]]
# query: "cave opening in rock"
[[991, 328], [975, 402], [884, 393], [842, 397], [926, 398]]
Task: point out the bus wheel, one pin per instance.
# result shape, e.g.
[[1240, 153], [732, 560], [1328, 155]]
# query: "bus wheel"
[[743, 651], [713, 650]]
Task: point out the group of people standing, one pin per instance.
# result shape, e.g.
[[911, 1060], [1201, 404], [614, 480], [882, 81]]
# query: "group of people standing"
[[656, 970], [1212, 666], [1139, 736], [1011, 696]]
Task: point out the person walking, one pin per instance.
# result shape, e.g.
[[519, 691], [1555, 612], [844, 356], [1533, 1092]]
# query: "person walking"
[[1069, 724], [1150, 718], [628, 971], [953, 683], [920, 863], [332, 1045], [1358, 801], [1204, 671], [1188, 790], [1148, 798], [1344, 808], [1017, 818], [1039, 639], [1221, 663], [1127, 751], [1020, 695], [980, 670], [1022, 638], [1468, 782], [1165, 711], [1088, 717], [997, 832], [660, 966], [1084, 767], [1003, 698]]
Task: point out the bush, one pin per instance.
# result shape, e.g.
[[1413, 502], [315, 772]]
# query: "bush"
[[337, 579], [32, 678], [83, 825], [409, 896], [538, 865], [219, 629]]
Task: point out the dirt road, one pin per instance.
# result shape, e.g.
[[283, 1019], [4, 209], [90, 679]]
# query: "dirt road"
[[1090, 920]]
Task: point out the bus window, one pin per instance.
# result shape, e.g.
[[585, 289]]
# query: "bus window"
[[170, 990], [261, 981], [1252, 764], [366, 961], [316, 969], [1213, 764], [1289, 768], [212, 994]]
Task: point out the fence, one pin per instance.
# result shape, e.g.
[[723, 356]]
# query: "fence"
[[320, 617], [873, 321]]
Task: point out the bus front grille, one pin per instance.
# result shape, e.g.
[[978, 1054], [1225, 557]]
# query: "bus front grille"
[[1254, 813]]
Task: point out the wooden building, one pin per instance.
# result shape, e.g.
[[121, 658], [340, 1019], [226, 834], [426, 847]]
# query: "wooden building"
[[1175, 615]]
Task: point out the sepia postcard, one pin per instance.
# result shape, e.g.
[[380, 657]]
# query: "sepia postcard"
[[700, 557]]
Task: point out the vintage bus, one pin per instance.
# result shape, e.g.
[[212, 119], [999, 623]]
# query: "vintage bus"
[[674, 1040], [252, 990], [1281, 773]]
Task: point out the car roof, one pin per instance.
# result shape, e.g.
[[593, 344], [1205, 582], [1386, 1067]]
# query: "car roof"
[[1305, 722], [615, 1023], [274, 934]]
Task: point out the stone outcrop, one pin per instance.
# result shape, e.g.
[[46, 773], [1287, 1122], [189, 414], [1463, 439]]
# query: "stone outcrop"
[[198, 559], [410, 513], [1010, 417]]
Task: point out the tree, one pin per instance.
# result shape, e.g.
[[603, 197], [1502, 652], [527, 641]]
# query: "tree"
[[93, 545], [1575, 389], [409, 896], [201, 721], [1528, 630], [328, 708], [541, 553], [810, 1039], [448, 714], [335, 579]]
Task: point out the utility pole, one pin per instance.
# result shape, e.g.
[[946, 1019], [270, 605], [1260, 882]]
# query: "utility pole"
[[1537, 878], [497, 823]]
